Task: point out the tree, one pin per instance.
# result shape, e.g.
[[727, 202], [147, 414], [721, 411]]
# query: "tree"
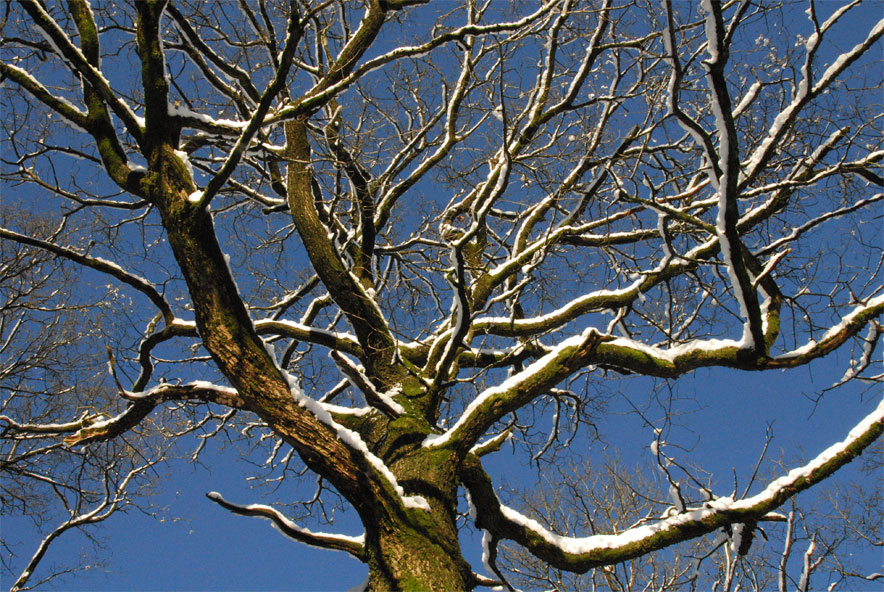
[[386, 236]]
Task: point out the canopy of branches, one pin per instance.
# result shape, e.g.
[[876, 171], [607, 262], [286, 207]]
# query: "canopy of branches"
[[372, 241]]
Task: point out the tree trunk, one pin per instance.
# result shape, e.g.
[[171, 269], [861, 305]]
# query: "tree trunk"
[[410, 548], [408, 557]]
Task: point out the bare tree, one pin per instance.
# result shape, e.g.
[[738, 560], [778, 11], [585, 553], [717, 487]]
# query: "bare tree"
[[386, 237]]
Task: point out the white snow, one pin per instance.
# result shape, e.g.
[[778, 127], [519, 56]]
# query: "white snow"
[[712, 40], [387, 398], [186, 160], [672, 354], [358, 370], [486, 551], [353, 440], [838, 64], [182, 111], [747, 99], [341, 410], [736, 537]]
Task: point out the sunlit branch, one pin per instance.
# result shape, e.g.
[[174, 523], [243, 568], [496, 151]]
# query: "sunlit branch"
[[115, 497], [350, 544]]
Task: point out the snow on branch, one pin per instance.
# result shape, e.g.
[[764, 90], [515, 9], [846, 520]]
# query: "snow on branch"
[[50, 428], [354, 545], [580, 554], [522, 387], [343, 342], [354, 442], [361, 382], [592, 347], [99, 264], [69, 112], [100, 426], [849, 325], [635, 356], [67, 51], [598, 300]]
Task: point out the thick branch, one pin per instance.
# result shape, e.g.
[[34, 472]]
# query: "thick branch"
[[582, 554], [352, 545], [361, 310]]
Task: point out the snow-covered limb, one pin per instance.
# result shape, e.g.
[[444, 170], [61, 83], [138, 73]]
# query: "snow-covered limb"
[[495, 402], [728, 171], [849, 325], [143, 403], [440, 363], [768, 267], [870, 342], [492, 444], [50, 428], [635, 356], [582, 553], [592, 347], [177, 328], [696, 131], [343, 342], [593, 301], [99, 264], [57, 104], [354, 545], [354, 442], [361, 382]]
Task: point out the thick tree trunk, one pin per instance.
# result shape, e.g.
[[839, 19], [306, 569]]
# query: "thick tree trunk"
[[408, 548], [403, 557]]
